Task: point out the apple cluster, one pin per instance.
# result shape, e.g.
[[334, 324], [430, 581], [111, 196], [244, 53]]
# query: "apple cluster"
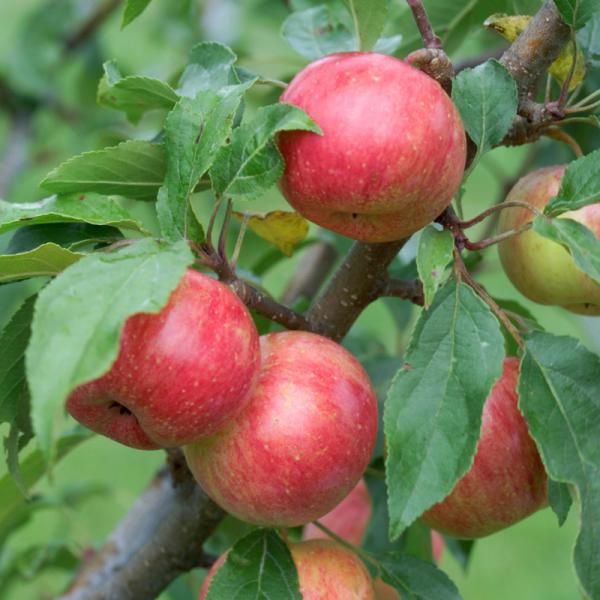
[[276, 429]]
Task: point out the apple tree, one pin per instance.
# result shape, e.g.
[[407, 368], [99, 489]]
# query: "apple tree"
[[319, 278]]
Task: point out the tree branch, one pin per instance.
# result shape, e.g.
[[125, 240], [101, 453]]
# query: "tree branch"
[[406, 290], [90, 25]]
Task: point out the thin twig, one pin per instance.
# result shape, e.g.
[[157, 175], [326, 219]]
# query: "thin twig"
[[487, 242], [501, 206], [91, 25], [562, 136], [430, 39]]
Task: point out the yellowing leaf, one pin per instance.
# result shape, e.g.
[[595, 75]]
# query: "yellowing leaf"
[[281, 228], [510, 28]]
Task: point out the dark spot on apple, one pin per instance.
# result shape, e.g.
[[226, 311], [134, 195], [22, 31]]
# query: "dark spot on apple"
[[123, 410], [355, 215]]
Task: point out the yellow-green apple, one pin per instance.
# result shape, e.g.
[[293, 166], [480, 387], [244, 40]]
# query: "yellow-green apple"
[[302, 443], [392, 153], [539, 268], [326, 571], [507, 481], [180, 374]]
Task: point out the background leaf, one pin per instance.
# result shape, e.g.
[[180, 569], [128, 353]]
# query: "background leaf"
[[369, 17], [577, 12], [134, 169], [90, 208], [579, 186], [259, 566], [79, 316], [133, 9], [45, 260], [487, 100], [416, 579], [251, 163], [433, 410], [558, 395], [588, 39], [134, 95], [433, 255], [581, 243]]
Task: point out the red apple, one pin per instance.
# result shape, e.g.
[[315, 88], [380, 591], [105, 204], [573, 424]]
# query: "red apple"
[[507, 481], [302, 443], [539, 268], [392, 153], [349, 519], [326, 571], [180, 374]]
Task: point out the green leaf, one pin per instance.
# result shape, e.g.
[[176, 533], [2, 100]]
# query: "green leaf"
[[560, 500], [558, 395], [134, 169], [588, 40], [579, 186], [210, 67], [487, 100], [14, 394], [577, 12], [196, 129], [46, 260], [313, 34], [369, 18], [134, 95], [92, 209], [433, 255], [433, 410], [133, 9], [251, 163], [416, 579], [32, 470], [259, 566], [79, 317], [580, 242]]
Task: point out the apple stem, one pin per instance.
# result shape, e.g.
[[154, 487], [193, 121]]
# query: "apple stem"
[[240, 240], [430, 39], [562, 136], [221, 248], [501, 206], [481, 245]]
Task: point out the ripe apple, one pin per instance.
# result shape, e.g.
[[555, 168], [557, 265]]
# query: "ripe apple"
[[392, 153], [507, 481], [180, 374], [326, 571], [539, 268], [302, 443]]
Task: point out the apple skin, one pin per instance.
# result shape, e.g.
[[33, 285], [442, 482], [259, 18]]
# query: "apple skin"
[[326, 570], [180, 374], [302, 443], [539, 268], [392, 153], [349, 519], [507, 481]]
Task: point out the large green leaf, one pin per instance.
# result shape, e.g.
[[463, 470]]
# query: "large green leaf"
[[251, 163], [434, 406], [258, 567], [90, 208], [558, 394], [135, 169], [416, 579], [581, 243], [210, 67], [433, 255], [79, 316], [369, 18], [487, 100], [577, 12], [133, 9], [579, 186], [45, 260], [195, 131], [134, 95]]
